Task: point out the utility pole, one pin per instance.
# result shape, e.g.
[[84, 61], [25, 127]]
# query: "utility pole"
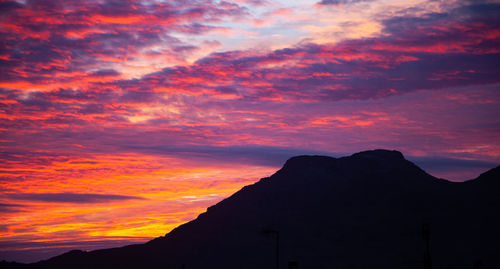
[[426, 235], [277, 233]]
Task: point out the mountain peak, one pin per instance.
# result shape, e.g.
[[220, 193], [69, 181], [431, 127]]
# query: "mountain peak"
[[318, 160], [380, 159], [366, 161], [365, 210], [303, 161], [381, 154]]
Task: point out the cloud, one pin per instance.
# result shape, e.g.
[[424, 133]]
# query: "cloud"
[[70, 197], [105, 73], [42, 39], [9, 208], [452, 168], [248, 155], [433, 51], [109, 95], [341, 2], [450, 163]]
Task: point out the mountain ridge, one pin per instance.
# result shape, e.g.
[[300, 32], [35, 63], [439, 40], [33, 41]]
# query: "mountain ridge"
[[328, 211]]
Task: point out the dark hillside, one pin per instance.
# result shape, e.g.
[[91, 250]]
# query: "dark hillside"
[[362, 211]]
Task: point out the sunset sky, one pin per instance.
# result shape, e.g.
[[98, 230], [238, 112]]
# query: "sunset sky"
[[120, 120]]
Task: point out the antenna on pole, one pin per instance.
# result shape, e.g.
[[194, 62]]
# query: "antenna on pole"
[[426, 235], [277, 233]]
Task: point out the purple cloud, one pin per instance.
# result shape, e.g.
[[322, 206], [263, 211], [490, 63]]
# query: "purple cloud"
[[43, 38], [9, 208], [457, 48], [70, 197], [341, 2], [105, 73]]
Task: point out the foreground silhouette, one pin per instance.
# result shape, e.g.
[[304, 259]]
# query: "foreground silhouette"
[[368, 210]]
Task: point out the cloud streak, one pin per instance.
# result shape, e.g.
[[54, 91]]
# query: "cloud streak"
[[70, 197], [8, 208], [341, 2]]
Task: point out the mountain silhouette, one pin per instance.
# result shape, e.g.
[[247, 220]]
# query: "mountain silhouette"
[[373, 209]]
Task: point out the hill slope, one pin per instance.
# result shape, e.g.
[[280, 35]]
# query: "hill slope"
[[361, 211]]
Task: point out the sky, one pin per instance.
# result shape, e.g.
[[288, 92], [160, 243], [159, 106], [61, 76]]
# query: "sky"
[[120, 120]]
